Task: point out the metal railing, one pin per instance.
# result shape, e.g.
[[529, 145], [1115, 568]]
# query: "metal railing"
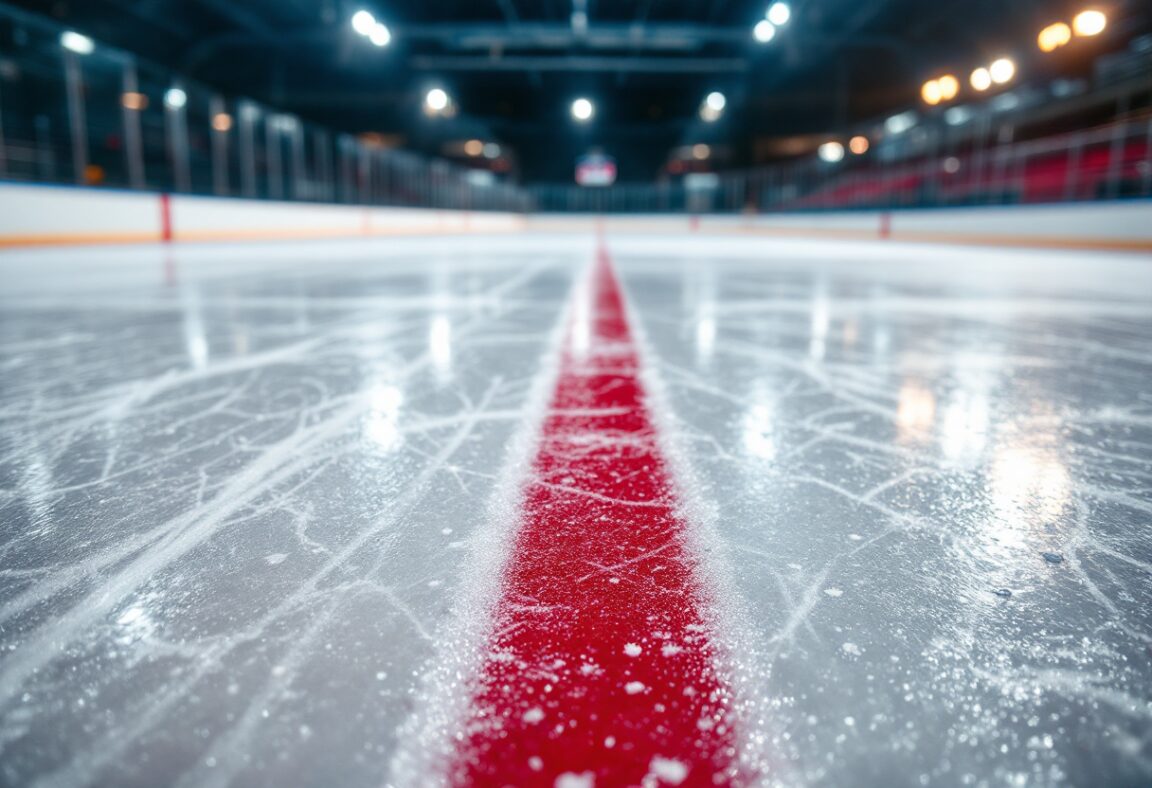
[[106, 118]]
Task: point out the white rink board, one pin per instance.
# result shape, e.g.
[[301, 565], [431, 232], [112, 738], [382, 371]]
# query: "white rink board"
[[1110, 224], [51, 210], [40, 215]]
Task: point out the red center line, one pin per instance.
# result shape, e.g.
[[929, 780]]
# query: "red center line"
[[600, 670]]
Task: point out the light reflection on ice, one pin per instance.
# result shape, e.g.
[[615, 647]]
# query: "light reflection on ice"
[[382, 424], [915, 411], [705, 338], [1028, 484], [581, 336], [964, 427], [759, 432], [134, 624], [820, 321], [699, 297], [440, 347], [195, 339]]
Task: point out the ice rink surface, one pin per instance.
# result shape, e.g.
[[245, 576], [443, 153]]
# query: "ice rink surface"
[[241, 489]]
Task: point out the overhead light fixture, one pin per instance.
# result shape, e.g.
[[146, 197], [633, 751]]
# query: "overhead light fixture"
[[1002, 70], [175, 98], [764, 31], [75, 42], [436, 100], [582, 110], [1053, 37], [713, 107], [363, 22], [1089, 23], [380, 36], [859, 145], [831, 152], [931, 93], [981, 79], [779, 14], [949, 87]]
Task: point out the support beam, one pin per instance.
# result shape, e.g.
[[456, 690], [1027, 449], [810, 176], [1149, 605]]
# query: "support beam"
[[582, 64], [553, 35]]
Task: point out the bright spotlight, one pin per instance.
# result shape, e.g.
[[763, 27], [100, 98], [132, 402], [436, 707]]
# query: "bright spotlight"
[[175, 98], [981, 79], [582, 110], [713, 107], [74, 42], [931, 92], [949, 87], [1089, 23], [764, 31], [436, 100], [1053, 37], [831, 152], [859, 145], [380, 35], [1002, 70], [779, 14], [363, 22]]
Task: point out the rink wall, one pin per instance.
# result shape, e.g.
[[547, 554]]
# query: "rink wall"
[[54, 215], [51, 215], [1102, 225]]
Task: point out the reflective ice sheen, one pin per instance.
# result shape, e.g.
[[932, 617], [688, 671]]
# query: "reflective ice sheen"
[[237, 488]]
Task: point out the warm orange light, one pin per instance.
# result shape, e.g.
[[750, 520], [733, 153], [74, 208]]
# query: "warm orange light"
[[222, 121], [981, 79], [931, 92], [134, 101], [701, 151], [949, 87], [859, 145], [1002, 70], [1089, 23], [473, 147], [1054, 36]]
